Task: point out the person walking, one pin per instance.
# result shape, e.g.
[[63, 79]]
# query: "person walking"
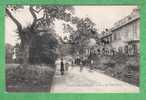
[[81, 66], [92, 65]]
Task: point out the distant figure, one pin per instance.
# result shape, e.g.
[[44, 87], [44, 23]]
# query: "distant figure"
[[78, 61], [62, 67], [72, 64], [81, 66], [92, 65], [66, 66]]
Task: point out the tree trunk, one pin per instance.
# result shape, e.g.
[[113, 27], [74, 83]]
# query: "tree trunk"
[[25, 53], [25, 41], [19, 26]]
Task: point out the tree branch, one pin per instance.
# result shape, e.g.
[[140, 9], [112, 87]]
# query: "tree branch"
[[19, 26], [33, 15], [32, 11], [38, 10]]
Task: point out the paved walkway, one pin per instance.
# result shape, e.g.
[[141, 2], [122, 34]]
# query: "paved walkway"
[[75, 81]]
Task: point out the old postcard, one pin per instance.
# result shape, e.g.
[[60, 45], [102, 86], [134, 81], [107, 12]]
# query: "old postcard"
[[72, 49]]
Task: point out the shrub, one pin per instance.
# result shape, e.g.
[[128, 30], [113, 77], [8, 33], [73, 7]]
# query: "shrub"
[[29, 78]]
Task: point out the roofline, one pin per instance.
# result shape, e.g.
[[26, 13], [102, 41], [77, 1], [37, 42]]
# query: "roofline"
[[120, 27], [125, 23]]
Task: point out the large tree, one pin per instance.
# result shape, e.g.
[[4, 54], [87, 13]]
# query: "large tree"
[[50, 14], [80, 37]]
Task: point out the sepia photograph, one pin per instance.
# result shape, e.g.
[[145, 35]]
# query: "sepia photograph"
[[72, 48]]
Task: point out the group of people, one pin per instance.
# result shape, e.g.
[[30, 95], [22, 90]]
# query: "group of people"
[[64, 66]]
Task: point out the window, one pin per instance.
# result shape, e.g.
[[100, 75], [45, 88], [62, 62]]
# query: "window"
[[115, 36], [119, 35], [111, 38], [135, 26]]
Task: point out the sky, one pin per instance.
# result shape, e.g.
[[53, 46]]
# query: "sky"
[[102, 16]]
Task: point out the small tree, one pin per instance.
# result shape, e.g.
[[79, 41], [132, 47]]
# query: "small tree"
[[18, 53], [9, 53]]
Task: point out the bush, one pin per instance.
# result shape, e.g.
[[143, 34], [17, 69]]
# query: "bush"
[[121, 66], [34, 77]]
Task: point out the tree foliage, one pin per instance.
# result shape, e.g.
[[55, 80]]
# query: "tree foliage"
[[81, 37], [43, 49]]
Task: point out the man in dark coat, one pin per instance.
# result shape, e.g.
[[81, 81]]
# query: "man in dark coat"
[[62, 67]]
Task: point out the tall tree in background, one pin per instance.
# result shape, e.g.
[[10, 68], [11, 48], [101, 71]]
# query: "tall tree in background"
[[9, 53], [39, 26], [81, 36]]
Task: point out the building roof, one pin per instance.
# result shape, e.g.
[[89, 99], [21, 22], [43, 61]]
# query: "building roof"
[[121, 23], [126, 20]]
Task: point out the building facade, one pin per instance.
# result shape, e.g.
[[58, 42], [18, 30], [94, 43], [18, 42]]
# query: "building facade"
[[124, 36]]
